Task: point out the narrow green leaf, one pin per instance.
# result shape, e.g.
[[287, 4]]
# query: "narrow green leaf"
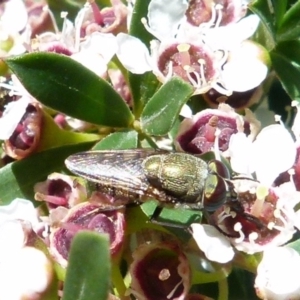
[[288, 73], [67, 86], [162, 110], [279, 9], [291, 50], [266, 15], [118, 140], [18, 178], [142, 86], [136, 27], [290, 27], [88, 269], [241, 284]]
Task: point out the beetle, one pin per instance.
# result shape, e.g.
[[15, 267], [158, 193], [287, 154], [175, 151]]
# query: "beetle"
[[174, 179]]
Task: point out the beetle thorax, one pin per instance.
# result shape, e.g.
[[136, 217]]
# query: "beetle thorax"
[[180, 175]]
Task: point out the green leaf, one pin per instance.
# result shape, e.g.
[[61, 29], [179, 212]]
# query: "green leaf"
[[291, 50], [88, 269], [53, 136], [142, 89], [18, 178], [67, 86], [287, 70], [266, 15], [279, 9], [180, 216], [162, 110], [290, 27], [241, 285], [118, 140], [136, 27], [142, 86]]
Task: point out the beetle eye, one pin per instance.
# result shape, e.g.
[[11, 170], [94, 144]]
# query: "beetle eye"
[[217, 167], [215, 192]]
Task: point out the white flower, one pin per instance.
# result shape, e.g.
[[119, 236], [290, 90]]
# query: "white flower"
[[25, 275], [278, 274], [132, 49], [96, 51], [214, 244], [12, 235], [12, 238], [198, 58], [163, 19], [14, 17], [13, 20], [19, 209], [272, 152], [244, 61]]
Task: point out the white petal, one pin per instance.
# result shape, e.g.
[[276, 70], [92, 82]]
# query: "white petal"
[[240, 153], [164, 18], [92, 61], [31, 269], [68, 34], [230, 36], [296, 124], [83, 15], [11, 238], [214, 244], [133, 54], [276, 262], [19, 209], [186, 111], [15, 17], [243, 74], [12, 115], [274, 152], [104, 44]]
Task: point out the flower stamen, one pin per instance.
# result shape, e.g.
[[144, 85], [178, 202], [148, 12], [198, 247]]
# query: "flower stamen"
[[164, 274], [202, 75], [174, 290], [185, 57], [225, 214], [252, 237], [216, 144], [261, 193], [96, 12], [238, 228], [196, 83], [218, 8]]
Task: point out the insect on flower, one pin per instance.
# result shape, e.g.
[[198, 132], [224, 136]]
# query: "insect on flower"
[[174, 179]]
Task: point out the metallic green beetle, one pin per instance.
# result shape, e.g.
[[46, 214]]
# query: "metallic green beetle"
[[174, 179]]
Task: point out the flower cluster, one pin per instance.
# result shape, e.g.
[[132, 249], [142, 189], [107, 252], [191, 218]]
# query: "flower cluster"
[[193, 77]]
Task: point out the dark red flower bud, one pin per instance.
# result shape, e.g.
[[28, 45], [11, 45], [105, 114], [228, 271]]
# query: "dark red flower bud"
[[25, 139], [160, 271], [60, 190], [88, 216]]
